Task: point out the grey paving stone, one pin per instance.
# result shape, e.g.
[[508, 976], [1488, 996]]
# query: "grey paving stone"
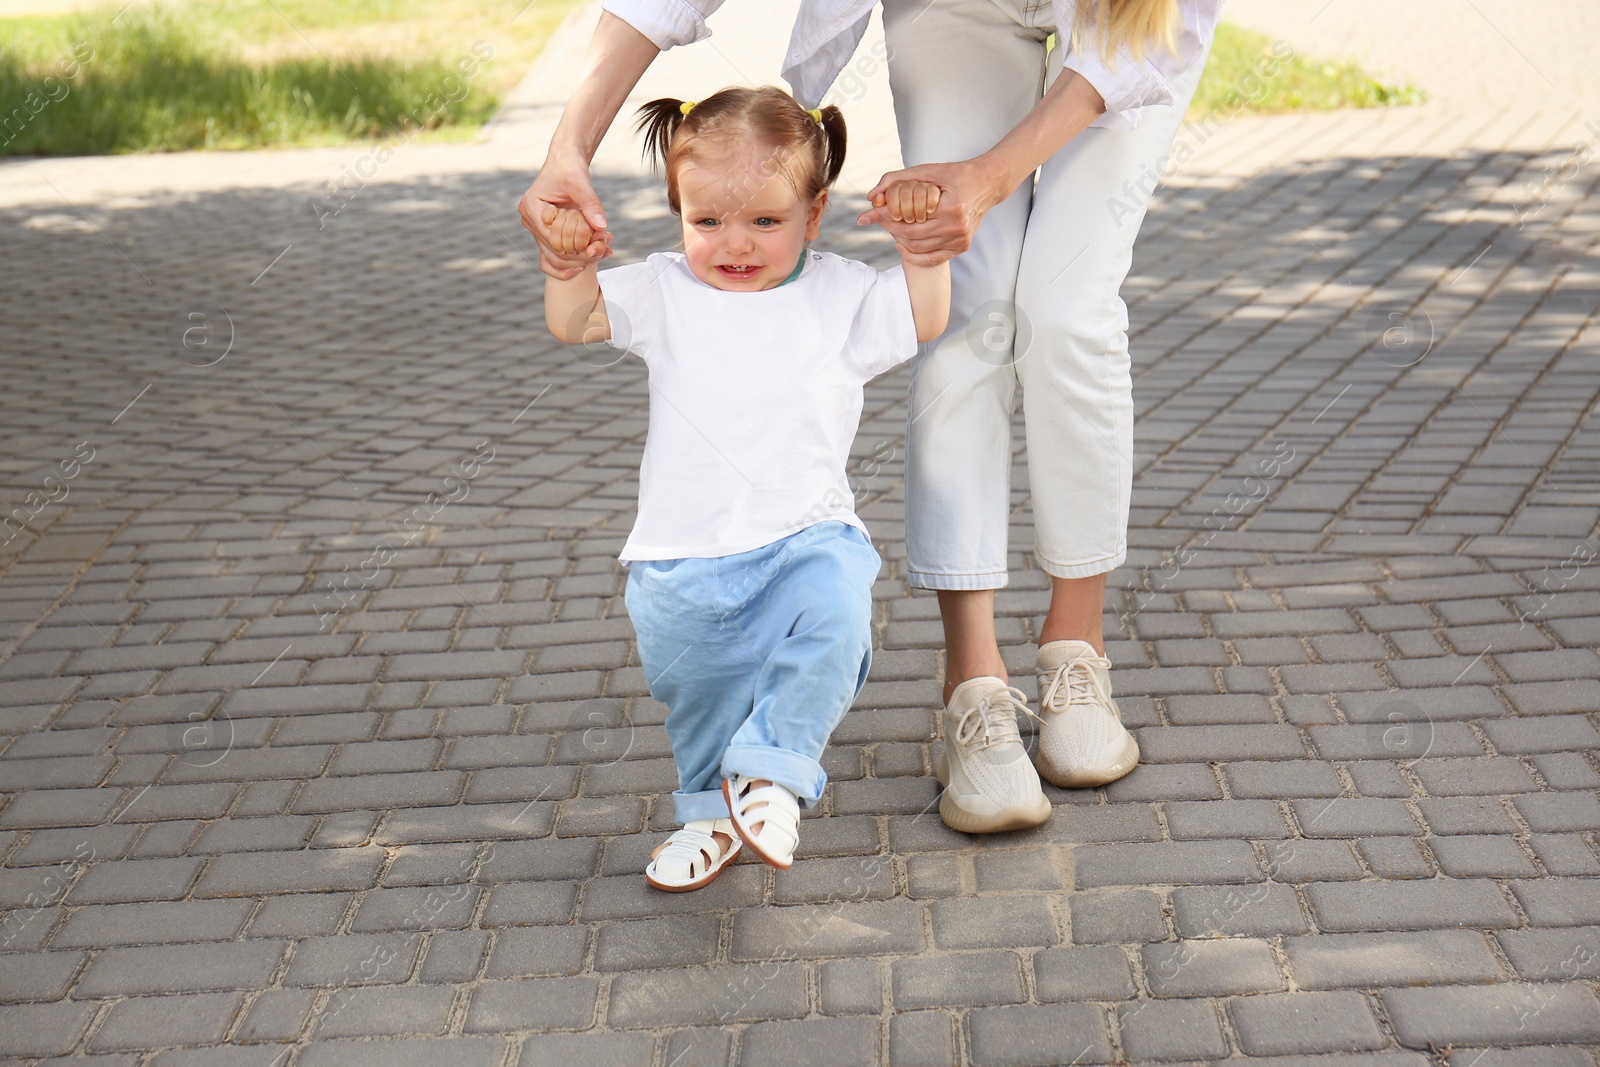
[[276, 1015], [1354, 817], [533, 1004], [1565, 853], [1172, 781], [259, 873], [45, 977], [921, 1039], [1485, 776], [300, 914], [1395, 857], [1558, 901], [1171, 1030], [154, 923], [455, 956], [1305, 1023], [1092, 973], [1467, 815], [818, 1042], [1507, 1014], [1237, 911], [158, 1022], [994, 922], [1287, 778], [1300, 860], [1554, 955], [1559, 812], [377, 1011], [850, 987], [1434, 957], [28, 1030], [181, 968], [462, 1051], [822, 930], [969, 979], [1118, 916], [1188, 744], [1257, 819], [437, 907], [1437, 903], [675, 941], [1028, 1035], [591, 1050], [1209, 968], [1165, 863], [135, 880], [1475, 856], [353, 959], [707, 996]]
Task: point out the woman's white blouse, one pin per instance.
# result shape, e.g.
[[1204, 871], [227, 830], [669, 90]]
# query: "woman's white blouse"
[[827, 31]]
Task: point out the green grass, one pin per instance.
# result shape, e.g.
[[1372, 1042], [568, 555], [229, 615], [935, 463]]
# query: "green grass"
[[1250, 72], [261, 73]]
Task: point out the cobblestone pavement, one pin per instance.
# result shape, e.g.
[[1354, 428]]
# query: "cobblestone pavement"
[[324, 740]]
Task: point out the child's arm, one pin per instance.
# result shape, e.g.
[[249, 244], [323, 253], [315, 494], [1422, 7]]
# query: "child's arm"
[[574, 310], [914, 201]]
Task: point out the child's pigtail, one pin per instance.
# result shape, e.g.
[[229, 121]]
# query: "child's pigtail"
[[833, 137], [658, 121]]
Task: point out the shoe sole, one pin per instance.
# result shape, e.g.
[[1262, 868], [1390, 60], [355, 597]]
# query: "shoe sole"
[[1125, 762], [971, 822]]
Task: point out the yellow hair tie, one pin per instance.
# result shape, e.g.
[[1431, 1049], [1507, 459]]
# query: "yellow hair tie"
[[686, 107], [816, 115]]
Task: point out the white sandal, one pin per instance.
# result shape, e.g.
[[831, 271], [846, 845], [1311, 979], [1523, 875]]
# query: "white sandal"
[[779, 818], [691, 857]]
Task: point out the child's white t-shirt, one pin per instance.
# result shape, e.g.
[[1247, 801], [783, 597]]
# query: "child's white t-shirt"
[[755, 397]]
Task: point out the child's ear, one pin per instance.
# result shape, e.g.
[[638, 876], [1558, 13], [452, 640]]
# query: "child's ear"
[[814, 215]]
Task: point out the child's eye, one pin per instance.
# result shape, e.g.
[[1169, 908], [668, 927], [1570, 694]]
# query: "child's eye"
[[766, 221], [705, 222]]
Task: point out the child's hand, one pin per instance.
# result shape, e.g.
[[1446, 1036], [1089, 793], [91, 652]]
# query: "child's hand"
[[576, 244], [909, 201]]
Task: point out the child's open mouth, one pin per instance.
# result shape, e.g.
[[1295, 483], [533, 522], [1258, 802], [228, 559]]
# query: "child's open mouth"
[[738, 272]]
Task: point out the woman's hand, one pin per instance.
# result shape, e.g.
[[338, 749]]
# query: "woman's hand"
[[560, 200], [966, 191]]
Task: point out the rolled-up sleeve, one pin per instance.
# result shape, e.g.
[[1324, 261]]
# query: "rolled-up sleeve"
[[665, 22], [1129, 85]]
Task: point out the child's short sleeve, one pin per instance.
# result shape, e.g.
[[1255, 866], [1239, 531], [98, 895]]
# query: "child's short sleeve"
[[884, 333], [632, 293]]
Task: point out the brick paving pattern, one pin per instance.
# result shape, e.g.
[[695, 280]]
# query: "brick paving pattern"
[[325, 742]]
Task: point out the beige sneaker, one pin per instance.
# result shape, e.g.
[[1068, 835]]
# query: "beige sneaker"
[[989, 783], [1082, 741]]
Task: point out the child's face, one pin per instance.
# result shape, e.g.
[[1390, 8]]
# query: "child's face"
[[743, 223]]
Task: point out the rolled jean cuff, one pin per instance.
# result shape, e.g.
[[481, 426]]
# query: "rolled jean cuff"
[[1102, 565], [706, 804], [931, 580], [801, 775]]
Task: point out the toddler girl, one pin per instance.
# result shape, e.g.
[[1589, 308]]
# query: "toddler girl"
[[749, 574]]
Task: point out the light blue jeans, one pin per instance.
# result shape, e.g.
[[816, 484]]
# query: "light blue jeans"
[[757, 657]]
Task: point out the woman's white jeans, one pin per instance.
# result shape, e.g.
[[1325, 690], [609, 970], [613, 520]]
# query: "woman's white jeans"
[[1035, 304]]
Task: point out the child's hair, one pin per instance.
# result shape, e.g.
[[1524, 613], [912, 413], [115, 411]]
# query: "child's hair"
[[807, 152]]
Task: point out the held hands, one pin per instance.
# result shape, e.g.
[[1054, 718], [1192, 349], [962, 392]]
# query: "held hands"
[[568, 244], [908, 200], [967, 189]]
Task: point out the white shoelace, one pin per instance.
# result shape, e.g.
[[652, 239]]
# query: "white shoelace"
[[1082, 686], [995, 717]]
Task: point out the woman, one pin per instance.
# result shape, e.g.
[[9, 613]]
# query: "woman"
[[982, 108]]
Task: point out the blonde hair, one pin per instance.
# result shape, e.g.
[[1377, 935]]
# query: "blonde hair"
[[1111, 25]]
